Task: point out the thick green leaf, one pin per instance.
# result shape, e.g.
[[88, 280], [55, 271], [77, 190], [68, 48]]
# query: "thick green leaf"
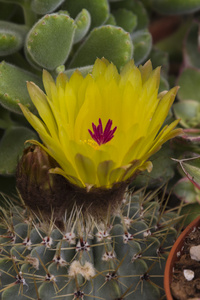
[[191, 168], [185, 190], [13, 87], [189, 82], [50, 40], [42, 7], [5, 120], [98, 9], [12, 37], [191, 46], [104, 42], [163, 169], [135, 7], [125, 19], [111, 20], [84, 71], [190, 212], [160, 58], [82, 21], [142, 42], [11, 148], [175, 6], [189, 113]]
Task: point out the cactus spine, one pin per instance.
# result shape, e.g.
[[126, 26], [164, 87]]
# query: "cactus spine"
[[122, 258]]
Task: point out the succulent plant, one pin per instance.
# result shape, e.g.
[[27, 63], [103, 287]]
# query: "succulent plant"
[[62, 35], [122, 258], [68, 246], [58, 36]]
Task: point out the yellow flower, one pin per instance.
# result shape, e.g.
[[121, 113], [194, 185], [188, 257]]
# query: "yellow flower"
[[103, 128]]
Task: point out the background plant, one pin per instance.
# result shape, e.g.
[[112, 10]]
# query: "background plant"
[[62, 35]]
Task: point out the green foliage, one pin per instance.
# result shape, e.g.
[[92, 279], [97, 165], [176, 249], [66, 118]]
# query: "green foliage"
[[176, 6], [12, 37], [45, 6], [82, 21], [189, 82], [142, 42], [191, 48], [99, 10], [101, 40], [13, 87], [125, 19], [11, 147], [51, 30]]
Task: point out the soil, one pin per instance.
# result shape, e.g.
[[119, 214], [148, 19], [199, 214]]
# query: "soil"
[[181, 288]]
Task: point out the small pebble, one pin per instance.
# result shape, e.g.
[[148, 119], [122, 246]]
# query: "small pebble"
[[195, 253], [188, 274]]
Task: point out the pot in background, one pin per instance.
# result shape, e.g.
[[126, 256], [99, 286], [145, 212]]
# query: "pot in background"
[[172, 258]]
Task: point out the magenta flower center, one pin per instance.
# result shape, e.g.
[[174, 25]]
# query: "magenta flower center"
[[102, 136]]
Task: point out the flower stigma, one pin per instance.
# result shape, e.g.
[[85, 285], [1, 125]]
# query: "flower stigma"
[[102, 136]]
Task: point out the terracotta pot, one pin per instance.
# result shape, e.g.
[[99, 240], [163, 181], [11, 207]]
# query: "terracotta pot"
[[172, 258]]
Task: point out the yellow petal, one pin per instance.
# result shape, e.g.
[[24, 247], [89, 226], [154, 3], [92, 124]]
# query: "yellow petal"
[[86, 169], [72, 179], [103, 171], [35, 122], [48, 82], [146, 71], [40, 101]]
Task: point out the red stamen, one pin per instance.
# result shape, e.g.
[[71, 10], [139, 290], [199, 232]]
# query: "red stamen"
[[102, 136]]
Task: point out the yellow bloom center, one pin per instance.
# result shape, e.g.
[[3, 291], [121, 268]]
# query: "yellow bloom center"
[[92, 143], [102, 136]]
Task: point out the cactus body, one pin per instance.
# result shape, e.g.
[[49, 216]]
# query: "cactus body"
[[120, 259]]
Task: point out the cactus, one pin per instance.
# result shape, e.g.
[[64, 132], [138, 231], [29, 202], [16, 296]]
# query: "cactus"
[[63, 35], [122, 258]]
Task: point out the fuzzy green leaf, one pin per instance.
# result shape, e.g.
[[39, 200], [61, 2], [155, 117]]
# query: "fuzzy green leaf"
[[13, 87], [98, 9], [50, 40], [189, 82], [5, 120], [84, 71], [42, 7], [104, 41], [135, 7], [142, 42], [163, 169], [189, 113], [160, 58], [176, 6], [191, 46], [11, 148], [186, 191], [125, 19], [12, 37], [111, 20], [82, 21]]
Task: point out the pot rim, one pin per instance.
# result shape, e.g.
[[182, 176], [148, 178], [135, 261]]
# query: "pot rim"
[[172, 258]]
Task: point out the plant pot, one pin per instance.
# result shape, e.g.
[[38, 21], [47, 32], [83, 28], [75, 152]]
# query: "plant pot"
[[172, 258]]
